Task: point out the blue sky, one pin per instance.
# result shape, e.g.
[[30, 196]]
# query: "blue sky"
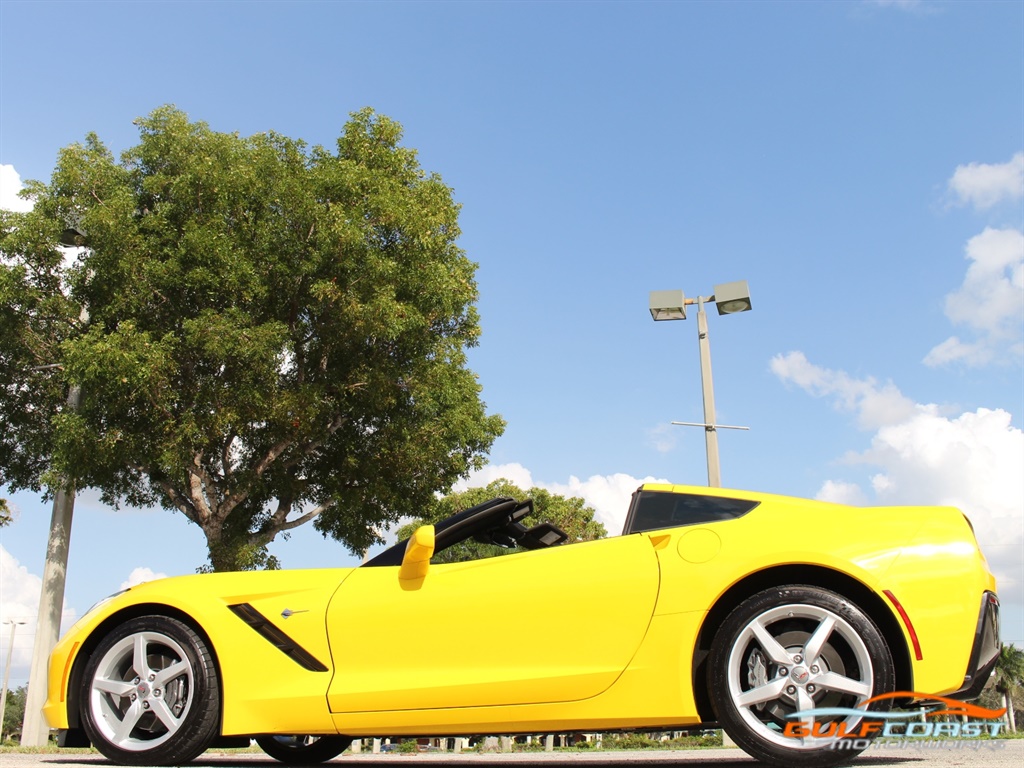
[[858, 163]]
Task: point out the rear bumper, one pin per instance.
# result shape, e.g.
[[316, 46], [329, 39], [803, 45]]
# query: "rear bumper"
[[985, 651]]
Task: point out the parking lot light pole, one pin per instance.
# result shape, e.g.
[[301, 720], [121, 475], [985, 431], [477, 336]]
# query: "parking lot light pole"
[[729, 298], [35, 730], [7, 674]]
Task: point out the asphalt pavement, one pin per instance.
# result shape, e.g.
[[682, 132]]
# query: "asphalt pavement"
[[987, 754]]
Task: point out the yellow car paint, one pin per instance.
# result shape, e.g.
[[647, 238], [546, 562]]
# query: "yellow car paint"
[[489, 633]]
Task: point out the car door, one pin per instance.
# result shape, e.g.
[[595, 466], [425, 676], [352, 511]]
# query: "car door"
[[549, 625]]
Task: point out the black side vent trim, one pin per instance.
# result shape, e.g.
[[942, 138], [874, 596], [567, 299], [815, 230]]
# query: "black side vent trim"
[[277, 638]]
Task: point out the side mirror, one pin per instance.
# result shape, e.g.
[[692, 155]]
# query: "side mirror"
[[416, 561]]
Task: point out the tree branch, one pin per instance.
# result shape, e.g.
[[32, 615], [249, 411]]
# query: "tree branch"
[[197, 486], [308, 448], [232, 500], [271, 456], [264, 537], [225, 458], [287, 526], [180, 502]]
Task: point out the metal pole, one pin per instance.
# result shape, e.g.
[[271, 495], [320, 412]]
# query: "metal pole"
[[36, 731], [710, 433], [7, 675]]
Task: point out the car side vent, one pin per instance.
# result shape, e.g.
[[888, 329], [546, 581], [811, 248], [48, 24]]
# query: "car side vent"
[[277, 638]]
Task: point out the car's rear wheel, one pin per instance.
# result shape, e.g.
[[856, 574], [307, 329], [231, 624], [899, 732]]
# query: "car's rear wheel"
[[792, 649], [150, 694], [303, 750]]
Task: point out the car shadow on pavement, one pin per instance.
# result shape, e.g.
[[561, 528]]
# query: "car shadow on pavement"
[[691, 760]]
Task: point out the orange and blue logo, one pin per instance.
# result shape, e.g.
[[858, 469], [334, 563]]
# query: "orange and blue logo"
[[861, 723]]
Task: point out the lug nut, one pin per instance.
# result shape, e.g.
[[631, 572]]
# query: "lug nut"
[[156, 691], [810, 688], [791, 689], [798, 658], [814, 669], [134, 697], [137, 680], [783, 671], [145, 705], [152, 677]]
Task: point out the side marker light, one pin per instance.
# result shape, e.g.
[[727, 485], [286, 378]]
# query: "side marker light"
[[907, 623]]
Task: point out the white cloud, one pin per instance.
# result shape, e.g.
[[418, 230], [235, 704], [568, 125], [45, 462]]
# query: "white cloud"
[[922, 457], [839, 492], [609, 495], [141, 575], [662, 437], [517, 474], [874, 404], [10, 185], [19, 602], [913, 7], [956, 350], [989, 304], [983, 185]]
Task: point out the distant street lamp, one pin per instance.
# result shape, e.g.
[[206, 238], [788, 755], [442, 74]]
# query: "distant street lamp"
[[7, 674], [729, 298]]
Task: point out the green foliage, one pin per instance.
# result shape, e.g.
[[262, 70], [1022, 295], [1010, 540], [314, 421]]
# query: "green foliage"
[[570, 513], [276, 334], [533, 746], [1009, 672], [1008, 681], [14, 713], [631, 741], [645, 741], [5, 513]]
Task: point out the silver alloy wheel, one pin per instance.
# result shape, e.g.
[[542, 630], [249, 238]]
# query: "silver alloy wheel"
[[793, 658], [141, 691]]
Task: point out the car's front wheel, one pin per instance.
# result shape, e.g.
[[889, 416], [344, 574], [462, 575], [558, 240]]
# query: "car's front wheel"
[[783, 656], [303, 750], [150, 694]]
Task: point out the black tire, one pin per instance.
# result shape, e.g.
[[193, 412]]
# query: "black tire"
[[150, 693], [303, 750], [759, 673]]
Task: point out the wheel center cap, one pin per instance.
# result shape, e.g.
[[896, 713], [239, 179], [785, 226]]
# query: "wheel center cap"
[[143, 690], [800, 675]]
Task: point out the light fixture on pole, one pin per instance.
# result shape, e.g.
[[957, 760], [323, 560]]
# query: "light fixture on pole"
[[7, 674], [729, 298]]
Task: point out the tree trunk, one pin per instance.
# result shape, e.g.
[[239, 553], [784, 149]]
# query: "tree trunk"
[[1008, 703]]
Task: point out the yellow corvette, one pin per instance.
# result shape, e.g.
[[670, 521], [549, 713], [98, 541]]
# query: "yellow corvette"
[[715, 607]]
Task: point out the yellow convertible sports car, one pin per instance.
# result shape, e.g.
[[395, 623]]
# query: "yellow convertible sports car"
[[713, 608]]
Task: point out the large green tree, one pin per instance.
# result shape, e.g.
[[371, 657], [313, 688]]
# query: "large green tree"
[[570, 513], [264, 334]]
